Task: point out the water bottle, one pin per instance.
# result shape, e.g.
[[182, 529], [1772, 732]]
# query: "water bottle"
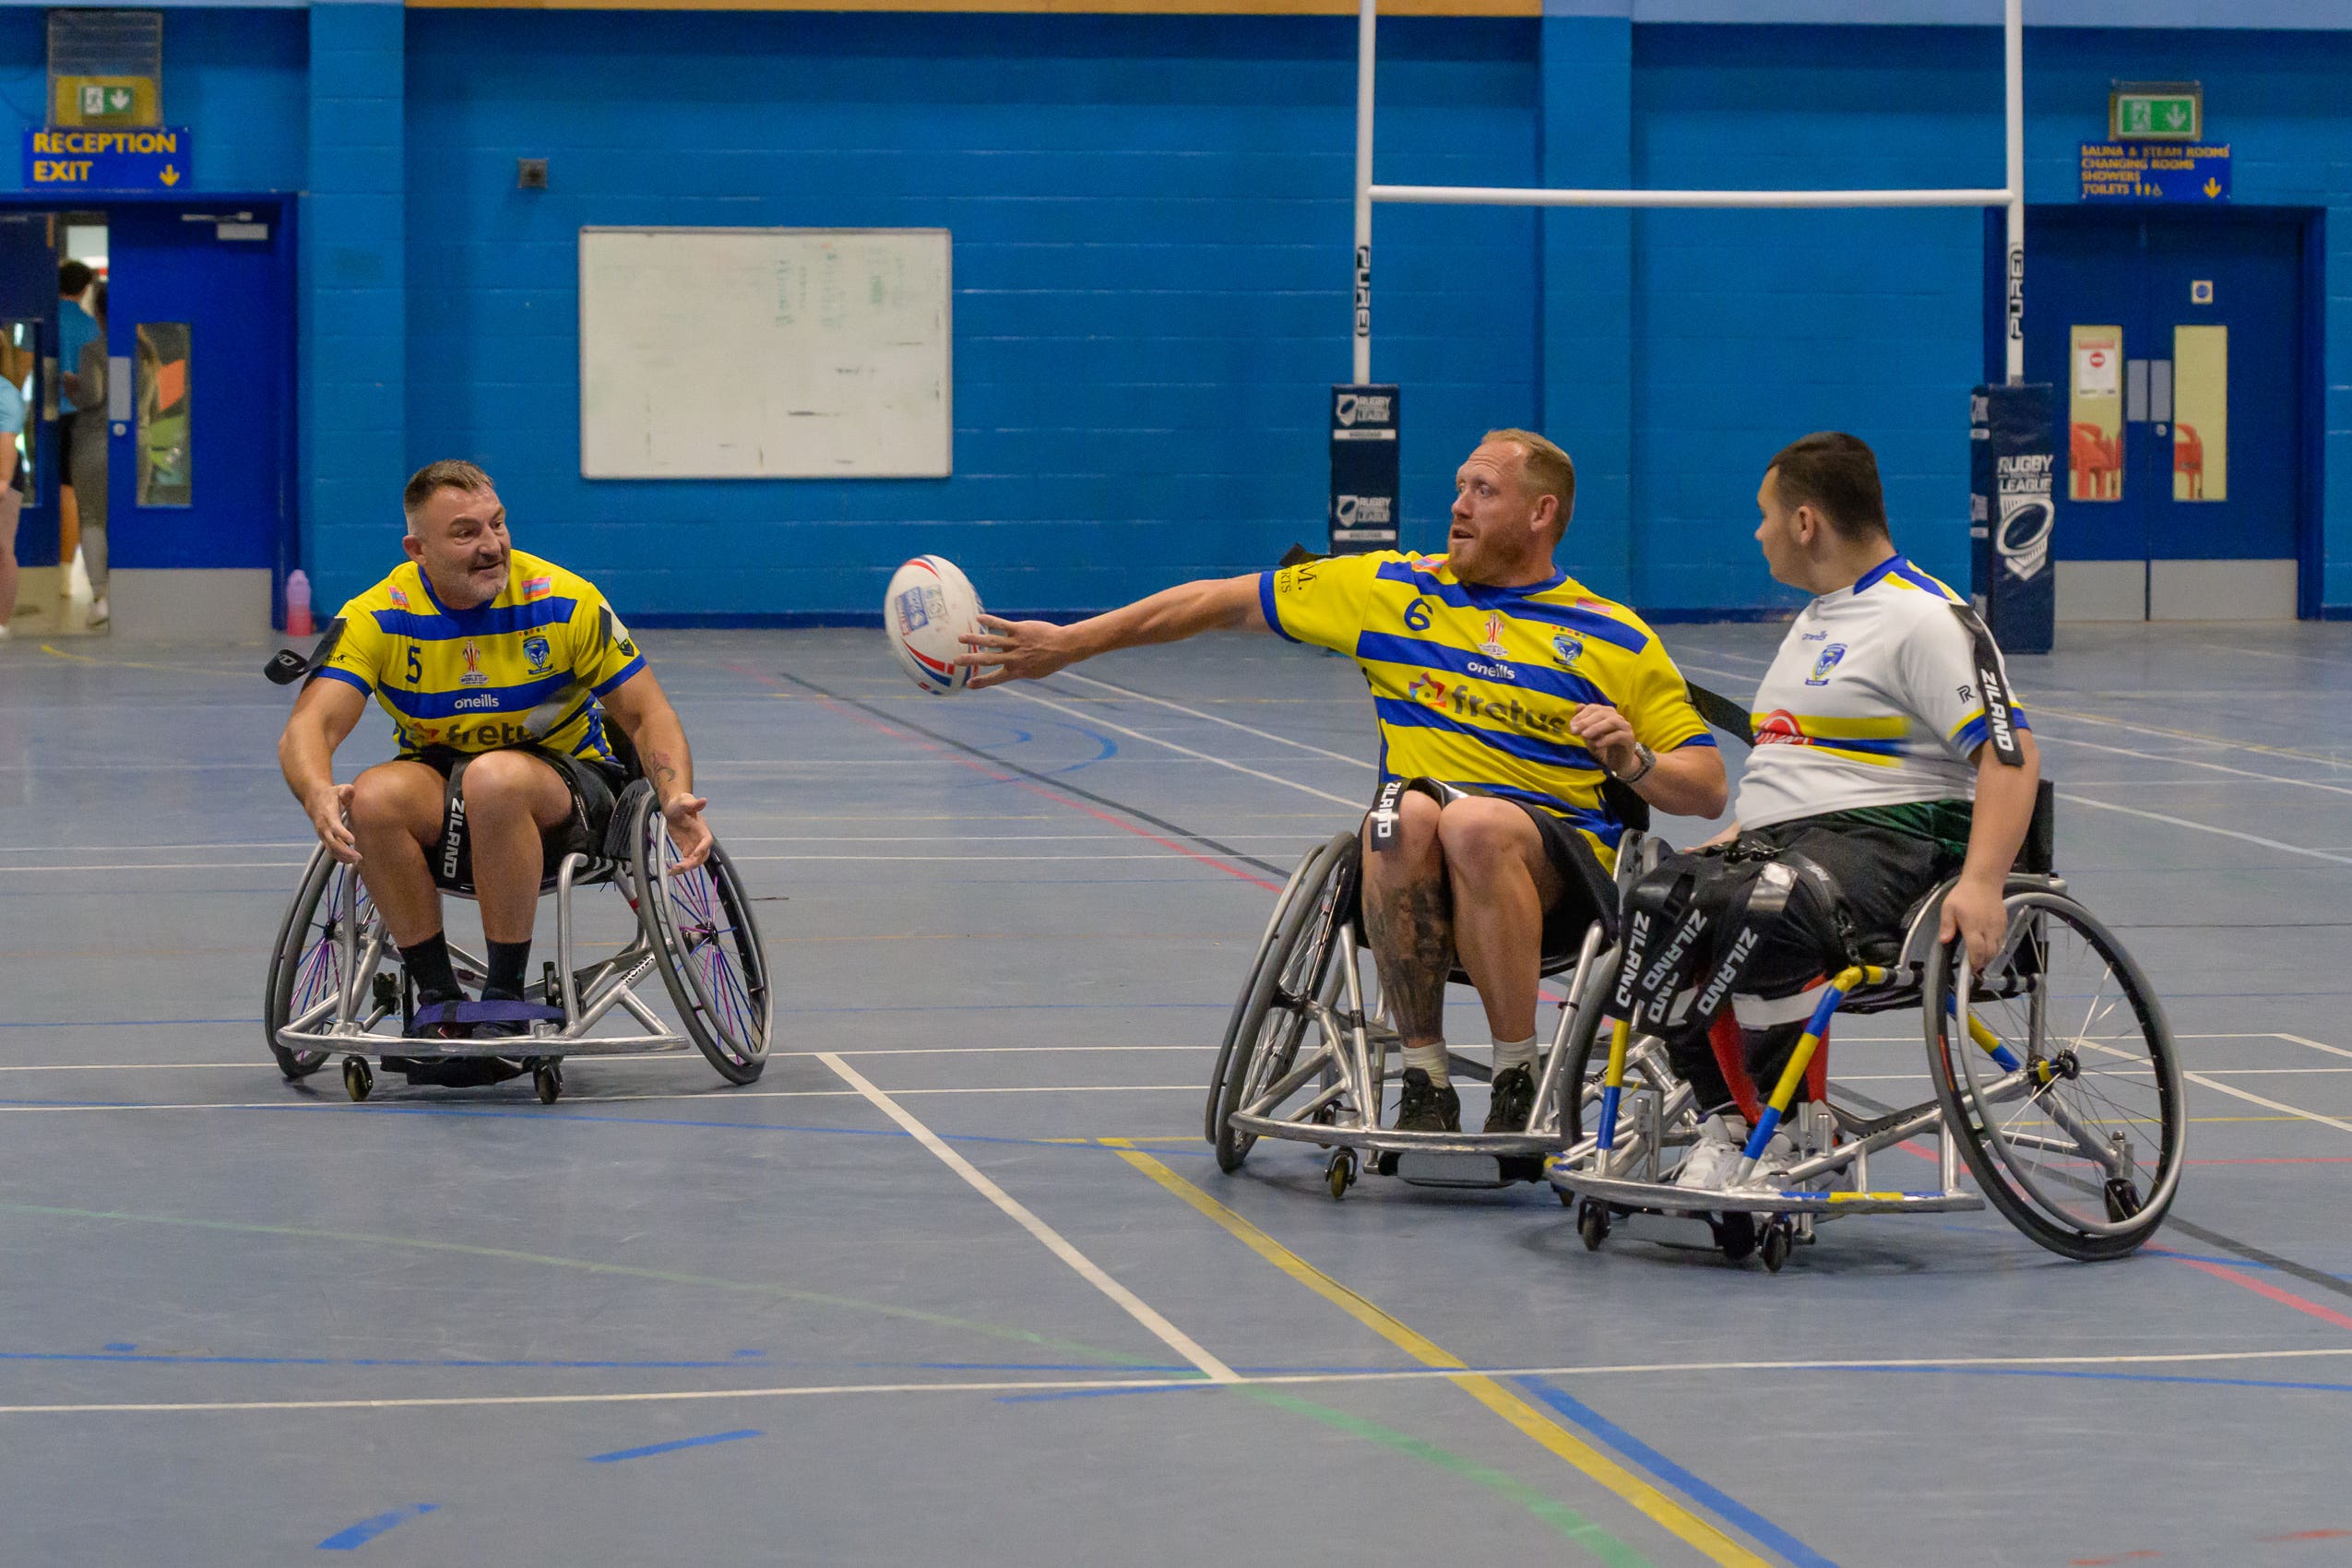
[[297, 604]]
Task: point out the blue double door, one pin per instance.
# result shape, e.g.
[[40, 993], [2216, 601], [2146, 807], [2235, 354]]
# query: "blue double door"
[[2173, 340], [199, 349]]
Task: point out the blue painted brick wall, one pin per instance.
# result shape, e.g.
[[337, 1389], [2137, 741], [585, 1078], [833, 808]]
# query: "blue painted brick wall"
[[1151, 261]]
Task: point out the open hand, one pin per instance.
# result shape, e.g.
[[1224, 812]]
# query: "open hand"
[[327, 808], [1015, 650], [688, 831]]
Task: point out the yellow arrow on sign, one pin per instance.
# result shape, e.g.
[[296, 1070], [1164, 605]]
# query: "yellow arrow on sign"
[[171, 176], [2212, 186]]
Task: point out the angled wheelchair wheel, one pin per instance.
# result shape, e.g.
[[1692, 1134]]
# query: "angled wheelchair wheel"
[[1309, 875], [2067, 1096], [1294, 966], [706, 945], [309, 966]]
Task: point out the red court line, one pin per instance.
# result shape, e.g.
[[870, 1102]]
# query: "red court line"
[[1121, 823], [2260, 1287]]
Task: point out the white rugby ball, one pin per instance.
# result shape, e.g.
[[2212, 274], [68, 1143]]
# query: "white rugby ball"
[[927, 612]]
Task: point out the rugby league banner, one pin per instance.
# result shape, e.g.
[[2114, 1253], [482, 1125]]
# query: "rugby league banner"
[[2013, 463]]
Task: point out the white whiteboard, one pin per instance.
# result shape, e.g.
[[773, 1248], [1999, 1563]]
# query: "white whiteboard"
[[764, 353]]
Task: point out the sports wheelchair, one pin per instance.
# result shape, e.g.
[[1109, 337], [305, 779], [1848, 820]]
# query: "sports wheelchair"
[[330, 992], [1305, 1054], [2054, 1079]]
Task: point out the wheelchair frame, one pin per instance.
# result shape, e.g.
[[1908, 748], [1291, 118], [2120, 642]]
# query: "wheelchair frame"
[[1351, 1056], [1622, 1170], [573, 999]]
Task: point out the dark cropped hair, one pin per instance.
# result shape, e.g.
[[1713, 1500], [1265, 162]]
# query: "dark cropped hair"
[[73, 277], [449, 473], [1837, 475]]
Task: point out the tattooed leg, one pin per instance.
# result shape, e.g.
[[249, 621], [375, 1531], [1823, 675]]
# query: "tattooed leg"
[[1408, 914]]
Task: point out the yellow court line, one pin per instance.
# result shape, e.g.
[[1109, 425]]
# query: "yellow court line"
[[1677, 1520]]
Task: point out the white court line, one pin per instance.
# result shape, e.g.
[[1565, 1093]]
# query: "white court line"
[[260, 865], [2192, 762], [1187, 751], [2206, 827], [169, 865], [1052, 1240], [2298, 1039], [651, 1058], [1217, 718], [1233, 1380], [2253, 1098], [715, 1097]]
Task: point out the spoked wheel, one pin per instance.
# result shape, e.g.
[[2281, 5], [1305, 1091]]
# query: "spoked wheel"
[[706, 945], [2067, 1099], [310, 964], [1312, 870], [1294, 966]]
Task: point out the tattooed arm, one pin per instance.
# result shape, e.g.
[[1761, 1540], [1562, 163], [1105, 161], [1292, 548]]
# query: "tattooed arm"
[[642, 710]]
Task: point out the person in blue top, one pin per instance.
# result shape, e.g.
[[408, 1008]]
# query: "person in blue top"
[[12, 486]]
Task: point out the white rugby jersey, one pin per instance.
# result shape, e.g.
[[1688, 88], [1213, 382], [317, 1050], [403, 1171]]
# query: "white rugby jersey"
[[1871, 701]]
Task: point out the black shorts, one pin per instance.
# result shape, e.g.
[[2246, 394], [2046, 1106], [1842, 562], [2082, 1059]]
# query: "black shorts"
[[595, 787], [1589, 894], [65, 447]]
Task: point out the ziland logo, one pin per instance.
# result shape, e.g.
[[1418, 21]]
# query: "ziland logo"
[[1492, 645], [474, 675], [1826, 662]]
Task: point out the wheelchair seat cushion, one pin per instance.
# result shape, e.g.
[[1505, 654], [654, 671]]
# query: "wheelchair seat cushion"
[[593, 787]]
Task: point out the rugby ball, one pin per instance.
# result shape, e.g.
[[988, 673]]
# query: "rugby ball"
[[927, 612]]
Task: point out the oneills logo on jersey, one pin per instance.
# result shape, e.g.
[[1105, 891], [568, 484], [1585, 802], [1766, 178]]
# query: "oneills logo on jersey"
[[474, 675], [1493, 645]]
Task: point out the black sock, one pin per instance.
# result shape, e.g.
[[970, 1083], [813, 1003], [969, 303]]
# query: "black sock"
[[428, 965], [507, 961]]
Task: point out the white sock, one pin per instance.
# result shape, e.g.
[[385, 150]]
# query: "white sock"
[[1509, 1053], [1430, 1059]]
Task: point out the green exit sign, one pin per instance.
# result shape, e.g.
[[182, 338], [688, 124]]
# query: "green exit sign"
[[2157, 111]]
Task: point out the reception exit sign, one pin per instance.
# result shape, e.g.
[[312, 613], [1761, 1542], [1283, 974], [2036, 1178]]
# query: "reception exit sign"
[[2157, 111]]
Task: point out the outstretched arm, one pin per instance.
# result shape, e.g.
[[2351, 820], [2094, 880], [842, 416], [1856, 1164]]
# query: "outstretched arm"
[[1028, 650], [323, 715], [639, 706]]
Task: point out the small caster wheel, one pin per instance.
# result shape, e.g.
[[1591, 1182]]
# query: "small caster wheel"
[[1592, 1223], [548, 1079], [2122, 1199], [1340, 1174], [1735, 1235], [1776, 1242], [359, 1081], [1386, 1164], [387, 992], [1567, 1199]]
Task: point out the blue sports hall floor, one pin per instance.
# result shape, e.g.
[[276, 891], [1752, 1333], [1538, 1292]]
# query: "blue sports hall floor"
[[243, 1321]]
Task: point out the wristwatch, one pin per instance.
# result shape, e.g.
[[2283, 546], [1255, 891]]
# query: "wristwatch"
[[1647, 760]]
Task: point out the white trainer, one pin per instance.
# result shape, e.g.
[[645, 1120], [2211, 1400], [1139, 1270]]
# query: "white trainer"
[[1772, 1165], [99, 614], [1715, 1159]]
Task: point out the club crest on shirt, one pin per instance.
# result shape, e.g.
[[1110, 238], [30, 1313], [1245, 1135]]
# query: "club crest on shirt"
[[1568, 647], [474, 675], [1825, 662], [536, 650], [1493, 645]]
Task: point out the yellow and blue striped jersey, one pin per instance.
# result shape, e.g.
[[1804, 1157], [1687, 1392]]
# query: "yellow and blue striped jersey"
[[522, 670], [1476, 685]]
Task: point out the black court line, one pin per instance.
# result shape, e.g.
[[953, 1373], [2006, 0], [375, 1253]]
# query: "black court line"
[[1048, 780], [2172, 1220]]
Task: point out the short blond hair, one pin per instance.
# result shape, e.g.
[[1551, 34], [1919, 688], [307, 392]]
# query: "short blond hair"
[[1550, 470]]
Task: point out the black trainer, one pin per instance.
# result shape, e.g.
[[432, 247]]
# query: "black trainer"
[[1424, 1107], [1514, 1099]]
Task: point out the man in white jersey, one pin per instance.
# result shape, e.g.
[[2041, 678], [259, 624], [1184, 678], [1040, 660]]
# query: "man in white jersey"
[[1889, 755]]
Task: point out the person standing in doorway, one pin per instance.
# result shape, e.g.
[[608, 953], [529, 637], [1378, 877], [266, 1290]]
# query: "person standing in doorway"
[[86, 385], [12, 487], [75, 327]]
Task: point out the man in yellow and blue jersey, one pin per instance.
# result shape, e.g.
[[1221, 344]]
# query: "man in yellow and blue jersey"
[[1506, 694], [499, 672]]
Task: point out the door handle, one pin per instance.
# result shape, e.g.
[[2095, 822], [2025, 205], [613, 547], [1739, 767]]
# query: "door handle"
[[118, 387], [2135, 391], [2160, 391]]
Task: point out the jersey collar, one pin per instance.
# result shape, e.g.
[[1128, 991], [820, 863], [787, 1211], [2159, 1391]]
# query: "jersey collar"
[[1483, 594], [1879, 573]]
